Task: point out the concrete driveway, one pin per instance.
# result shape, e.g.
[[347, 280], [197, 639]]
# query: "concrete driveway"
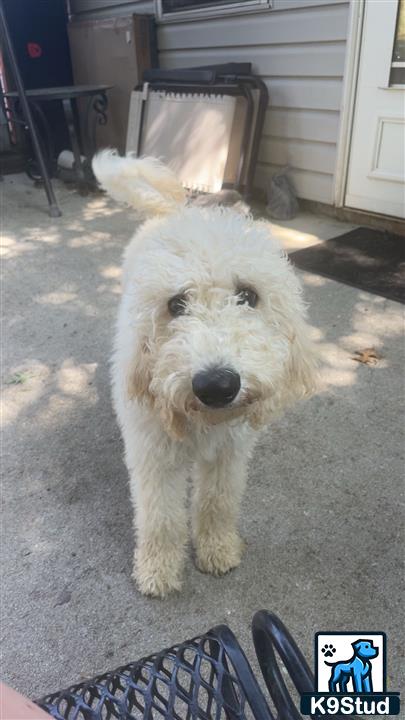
[[322, 516]]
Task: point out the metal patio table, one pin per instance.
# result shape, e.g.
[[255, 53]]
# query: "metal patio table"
[[96, 114]]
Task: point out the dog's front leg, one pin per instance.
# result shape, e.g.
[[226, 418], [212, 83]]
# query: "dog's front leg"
[[158, 477], [219, 483]]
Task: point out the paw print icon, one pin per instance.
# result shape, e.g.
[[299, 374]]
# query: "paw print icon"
[[328, 650]]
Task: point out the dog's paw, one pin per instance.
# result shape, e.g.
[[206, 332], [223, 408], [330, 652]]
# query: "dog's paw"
[[218, 556], [156, 574]]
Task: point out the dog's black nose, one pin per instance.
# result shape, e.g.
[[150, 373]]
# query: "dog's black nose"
[[216, 387]]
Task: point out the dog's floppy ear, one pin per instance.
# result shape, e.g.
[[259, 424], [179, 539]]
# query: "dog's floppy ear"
[[357, 645], [144, 183], [299, 380], [301, 371], [138, 375]]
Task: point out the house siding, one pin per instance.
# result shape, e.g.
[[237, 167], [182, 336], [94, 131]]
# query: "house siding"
[[298, 48]]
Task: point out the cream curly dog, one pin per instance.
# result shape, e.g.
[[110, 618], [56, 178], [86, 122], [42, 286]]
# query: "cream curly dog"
[[211, 343]]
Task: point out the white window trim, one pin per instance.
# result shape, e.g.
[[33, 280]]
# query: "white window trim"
[[235, 8]]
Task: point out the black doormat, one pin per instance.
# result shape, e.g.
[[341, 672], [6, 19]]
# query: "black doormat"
[[371, 260]]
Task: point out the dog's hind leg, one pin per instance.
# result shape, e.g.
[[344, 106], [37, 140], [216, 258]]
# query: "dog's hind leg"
[[334, 680], [158, 478], [343, 683], [219, 483]]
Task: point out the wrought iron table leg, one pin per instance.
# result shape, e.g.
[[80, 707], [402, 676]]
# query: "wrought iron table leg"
[[96, 114], [68, 109]]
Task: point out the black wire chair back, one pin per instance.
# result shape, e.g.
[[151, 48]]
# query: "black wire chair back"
[[206, 678]]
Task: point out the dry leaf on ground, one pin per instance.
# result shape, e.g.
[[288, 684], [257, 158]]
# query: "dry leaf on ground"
[[368, 356]]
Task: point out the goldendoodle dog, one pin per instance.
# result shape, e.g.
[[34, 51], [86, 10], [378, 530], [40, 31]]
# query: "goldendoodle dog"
[[211, 343]]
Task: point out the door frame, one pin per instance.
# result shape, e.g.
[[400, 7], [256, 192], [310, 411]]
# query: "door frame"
[[349, 93]]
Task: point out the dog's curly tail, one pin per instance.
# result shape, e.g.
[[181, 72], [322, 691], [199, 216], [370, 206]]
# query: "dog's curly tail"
[[144, 183]]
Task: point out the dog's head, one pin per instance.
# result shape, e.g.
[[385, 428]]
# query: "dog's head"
[[365, 649], [214, 321], [217, 319]]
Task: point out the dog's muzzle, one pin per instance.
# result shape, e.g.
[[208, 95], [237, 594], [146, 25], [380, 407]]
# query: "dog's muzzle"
[[216, 387]]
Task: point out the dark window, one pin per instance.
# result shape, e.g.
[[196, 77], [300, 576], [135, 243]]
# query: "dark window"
[[397, 76], [169, 6]]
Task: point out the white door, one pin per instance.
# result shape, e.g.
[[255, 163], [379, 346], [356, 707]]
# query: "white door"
[[376, 174]]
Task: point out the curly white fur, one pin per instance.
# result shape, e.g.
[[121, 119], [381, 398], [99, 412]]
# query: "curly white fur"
[[206, 253], [146, 184]]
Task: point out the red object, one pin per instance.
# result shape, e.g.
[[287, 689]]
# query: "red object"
[[34, 50]]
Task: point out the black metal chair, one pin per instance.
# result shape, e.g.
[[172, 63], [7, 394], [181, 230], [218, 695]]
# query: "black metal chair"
[[206, 678]]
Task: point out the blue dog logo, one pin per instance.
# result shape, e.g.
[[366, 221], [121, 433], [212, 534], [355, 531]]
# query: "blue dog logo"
[[358, 669], [355, 687]]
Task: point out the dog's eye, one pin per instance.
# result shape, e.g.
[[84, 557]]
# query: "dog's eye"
[[177, 305], [247, 296]]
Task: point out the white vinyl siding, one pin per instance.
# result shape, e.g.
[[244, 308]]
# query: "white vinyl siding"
[[298, 47]]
